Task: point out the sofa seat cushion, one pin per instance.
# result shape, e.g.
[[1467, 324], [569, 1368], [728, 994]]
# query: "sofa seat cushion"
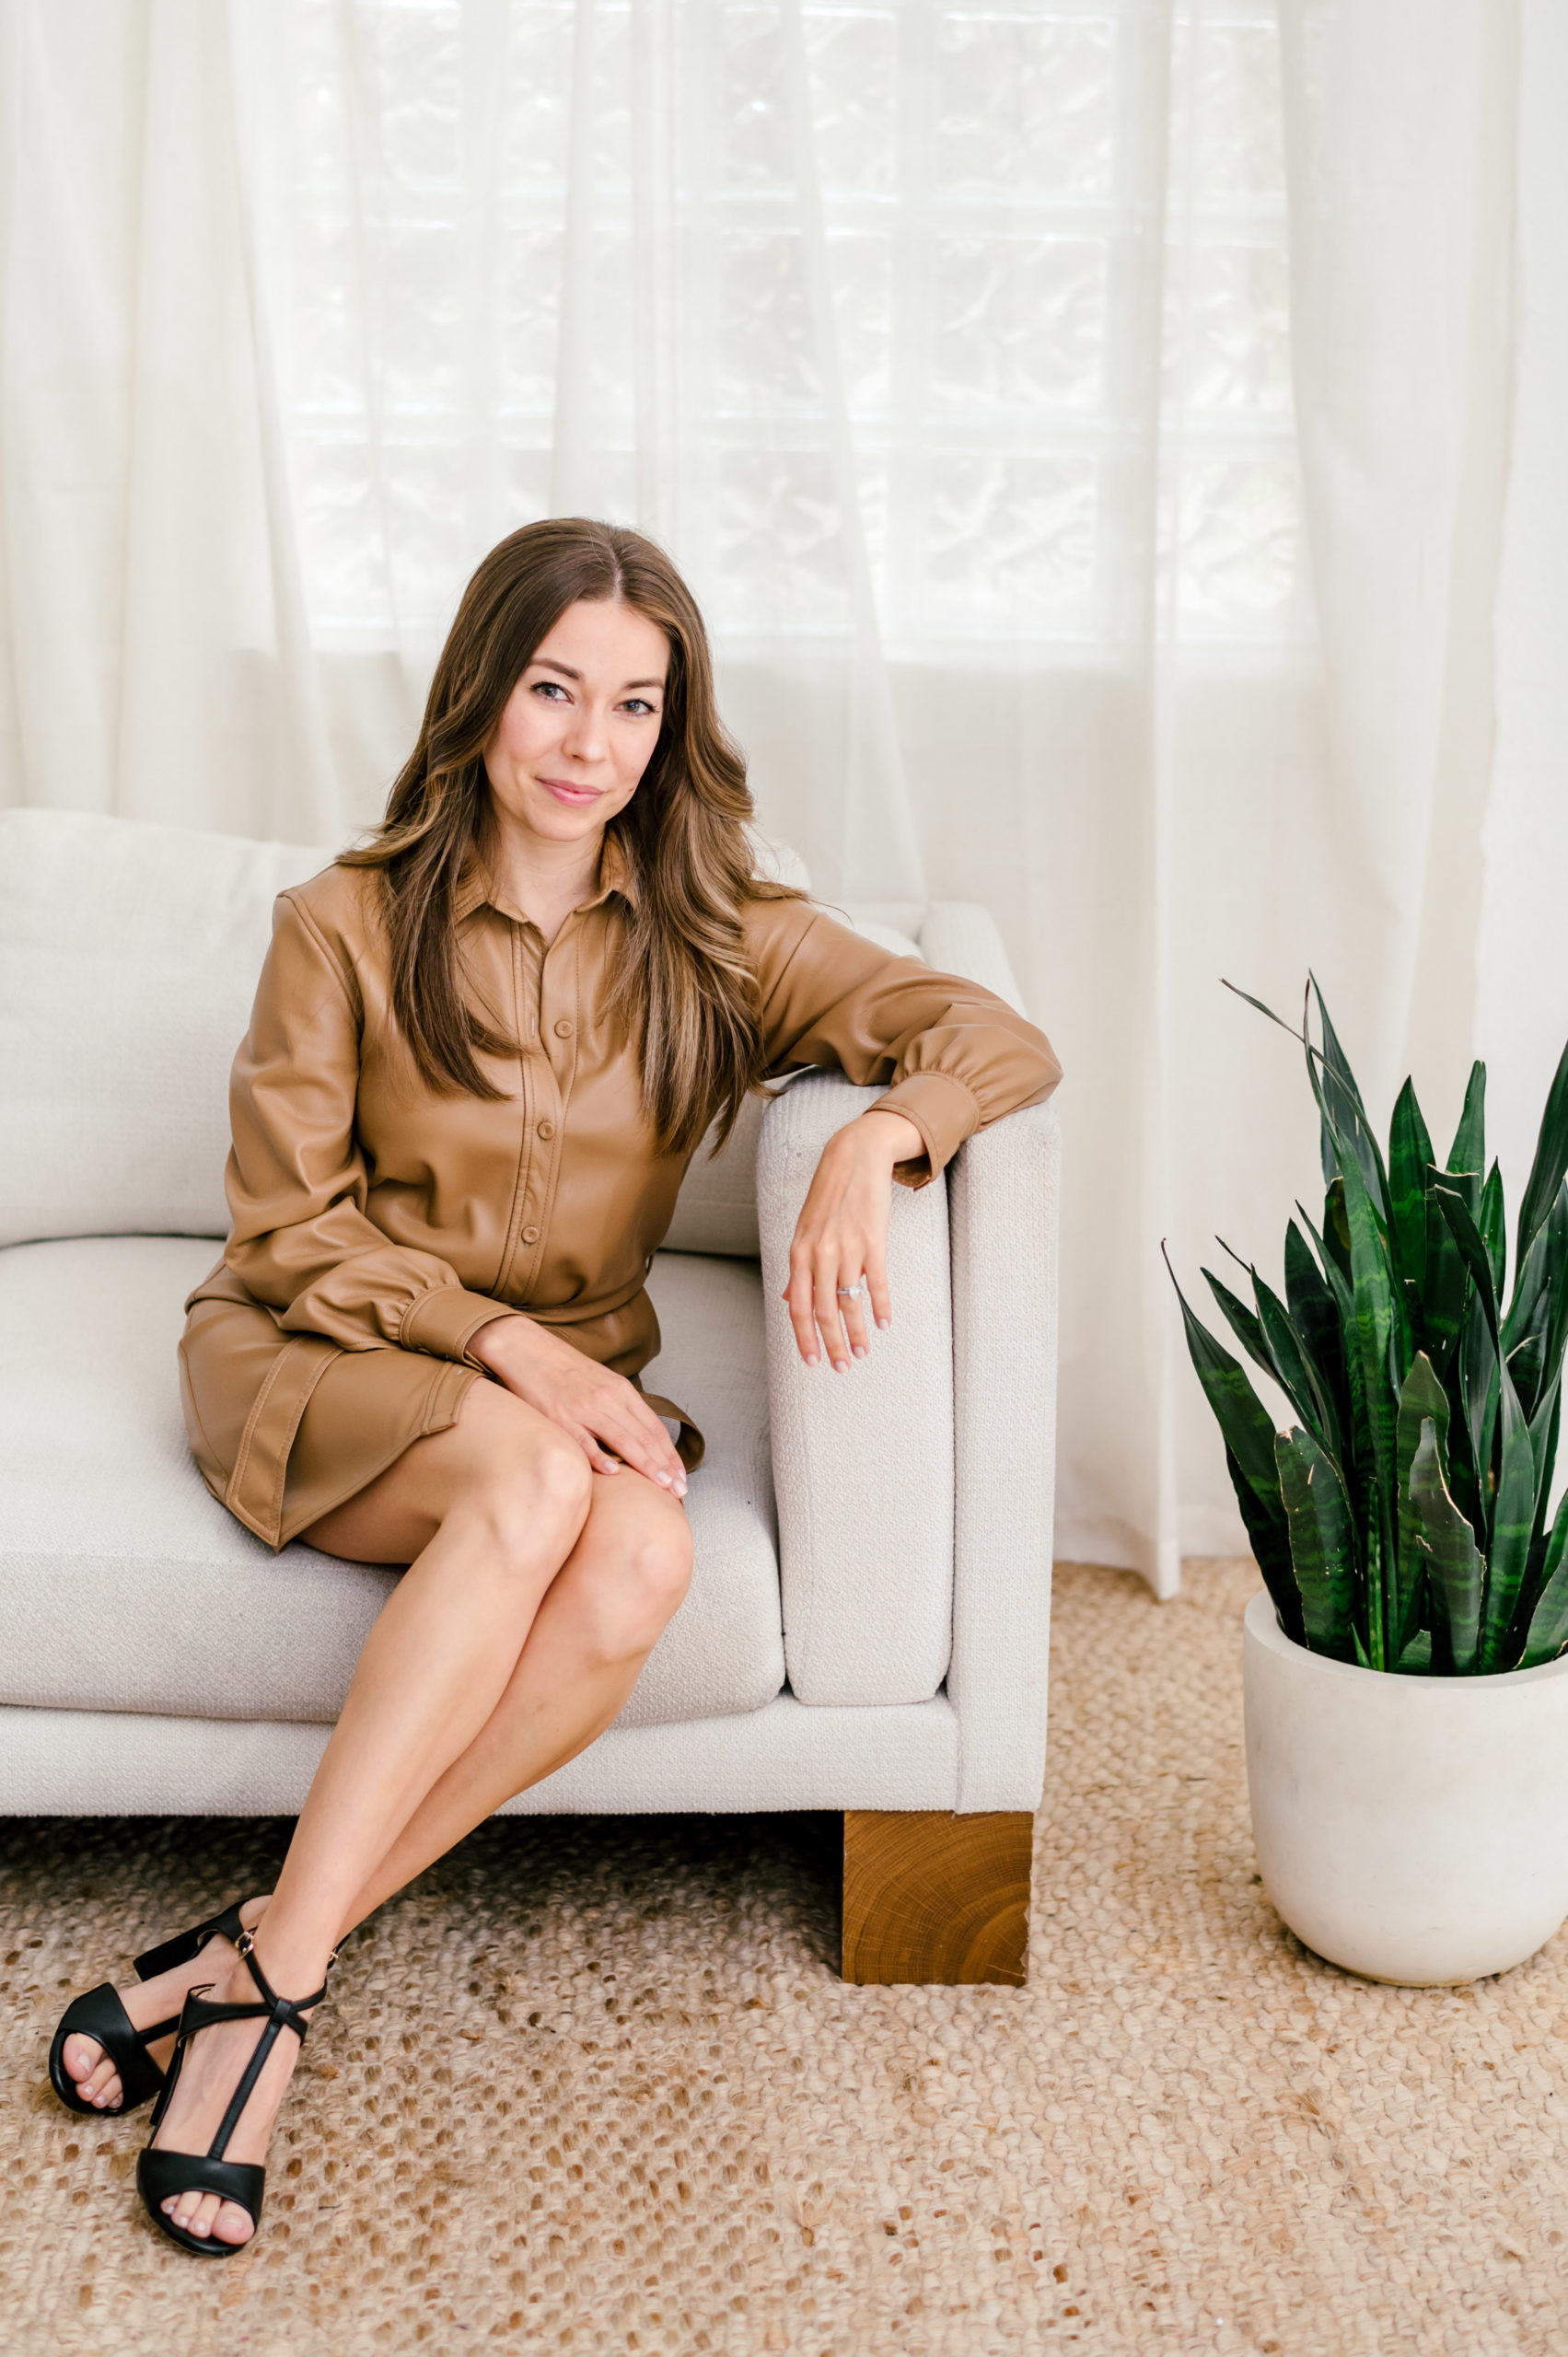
[[126, 1586]]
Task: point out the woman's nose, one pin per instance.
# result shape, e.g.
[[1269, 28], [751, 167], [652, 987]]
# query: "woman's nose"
[[584, 738]]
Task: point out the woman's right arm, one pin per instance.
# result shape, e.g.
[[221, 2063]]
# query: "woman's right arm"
[[302, 1241], [300, 1237]]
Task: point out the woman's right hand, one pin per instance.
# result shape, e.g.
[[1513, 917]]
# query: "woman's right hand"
[[608, 1417]]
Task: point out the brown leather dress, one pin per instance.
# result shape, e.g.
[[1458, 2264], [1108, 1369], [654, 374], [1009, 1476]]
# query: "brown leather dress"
[[377, 1224]]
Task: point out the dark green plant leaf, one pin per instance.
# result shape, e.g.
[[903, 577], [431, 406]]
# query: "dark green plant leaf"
[[1422, 1401], [1314, 1066], [1293, 1370], [1553, 1240], [1356, 1458], [1335, 1238], [1493, 1222], [1513, 1506], [1549, 1623], [1466, 1155], [1544, 1426], [1269, 1541], [1340, 1106], [1249, 1459], [1543, 1430], [1478, 1397], [1342, 1110], [1416, 1659], [1317, 1323], [1305, 1280], [1556, 1235], [1455, 1574], [1533, 1298], [1321, 1545], [1373, 1308], [1410, 1158], [1239, 1412], [1242, 1321], [1551, 1164], [1526, 1351], [1443, 1300]]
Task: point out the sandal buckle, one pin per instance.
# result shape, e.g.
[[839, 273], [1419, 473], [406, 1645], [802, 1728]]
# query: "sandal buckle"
[[244, 1944]]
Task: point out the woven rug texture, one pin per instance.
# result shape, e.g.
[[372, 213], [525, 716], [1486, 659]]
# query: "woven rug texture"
[[593, 2085]]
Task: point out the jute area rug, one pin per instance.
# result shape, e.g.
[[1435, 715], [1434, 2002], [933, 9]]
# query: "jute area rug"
[[595, 2087]]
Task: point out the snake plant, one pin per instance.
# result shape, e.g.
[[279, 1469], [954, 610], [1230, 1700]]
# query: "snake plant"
[[1401, 1521]]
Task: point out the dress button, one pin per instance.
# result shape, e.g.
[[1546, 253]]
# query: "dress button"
[[547, 1128], [530, 1236], [562, 1030]]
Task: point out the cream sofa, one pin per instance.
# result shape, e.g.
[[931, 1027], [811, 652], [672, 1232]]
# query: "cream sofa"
[[867, 1628]]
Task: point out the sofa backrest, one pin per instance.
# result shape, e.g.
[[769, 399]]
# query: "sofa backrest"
[[128, 960]]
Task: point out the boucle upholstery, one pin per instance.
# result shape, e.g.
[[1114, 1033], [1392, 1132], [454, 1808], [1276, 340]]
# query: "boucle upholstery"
[[863, 1461], [1005, 1376], [128, 962], [106, 1763], [124, 1586]]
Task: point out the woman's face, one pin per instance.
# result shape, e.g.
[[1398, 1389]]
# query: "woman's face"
[[580, 726]]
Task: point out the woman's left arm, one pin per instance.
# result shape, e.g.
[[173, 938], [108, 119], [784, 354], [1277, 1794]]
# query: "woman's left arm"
[[842, 1237], [951, 1056]]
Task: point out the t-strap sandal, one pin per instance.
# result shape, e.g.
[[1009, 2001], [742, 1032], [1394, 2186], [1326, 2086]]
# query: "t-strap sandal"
[[100, 2016], [161, 2176]]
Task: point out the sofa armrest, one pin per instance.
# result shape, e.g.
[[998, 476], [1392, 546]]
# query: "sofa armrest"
[[863, 1462], [961, 937], [1003, 1191]]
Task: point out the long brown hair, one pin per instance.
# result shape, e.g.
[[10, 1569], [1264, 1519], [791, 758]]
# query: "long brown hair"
[[680, 980]]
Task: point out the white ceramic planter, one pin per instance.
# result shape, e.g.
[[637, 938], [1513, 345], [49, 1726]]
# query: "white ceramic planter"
[[1412, 1829]]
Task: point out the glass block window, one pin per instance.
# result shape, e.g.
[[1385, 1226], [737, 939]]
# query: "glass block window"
[[983, 306]]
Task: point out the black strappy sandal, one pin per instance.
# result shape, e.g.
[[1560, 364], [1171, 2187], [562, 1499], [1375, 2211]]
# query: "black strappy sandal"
[[99, 2014], [159, 2175]]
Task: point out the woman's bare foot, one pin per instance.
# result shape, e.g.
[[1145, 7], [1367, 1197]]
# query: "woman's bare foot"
[[146, 2001], [214, 2065]]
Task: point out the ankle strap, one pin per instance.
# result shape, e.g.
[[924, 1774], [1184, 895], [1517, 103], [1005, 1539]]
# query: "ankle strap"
[[287, 2011]]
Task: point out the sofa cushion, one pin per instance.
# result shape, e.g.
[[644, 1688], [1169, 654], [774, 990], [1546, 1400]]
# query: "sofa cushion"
[[126, 1586], [128, 962]]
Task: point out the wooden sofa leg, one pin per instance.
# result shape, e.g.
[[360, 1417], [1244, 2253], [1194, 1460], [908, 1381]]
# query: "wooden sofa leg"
[[934, 1898]]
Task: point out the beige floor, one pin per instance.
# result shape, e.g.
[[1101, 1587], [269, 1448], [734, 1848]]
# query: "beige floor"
[[595, 2087]]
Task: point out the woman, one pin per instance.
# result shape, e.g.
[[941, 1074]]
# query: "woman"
[[483, 1051]]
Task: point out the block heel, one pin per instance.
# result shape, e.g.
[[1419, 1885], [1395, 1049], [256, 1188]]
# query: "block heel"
[[99, 2014]]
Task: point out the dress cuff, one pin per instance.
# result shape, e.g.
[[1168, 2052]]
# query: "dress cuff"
[[445, 1319], [944, 1112]]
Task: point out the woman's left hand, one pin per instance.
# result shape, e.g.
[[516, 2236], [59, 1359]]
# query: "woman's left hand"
[[841, 1237]]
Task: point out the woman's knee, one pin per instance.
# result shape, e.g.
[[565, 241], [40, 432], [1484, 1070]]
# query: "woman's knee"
[[533, 1497], [629, 1596]]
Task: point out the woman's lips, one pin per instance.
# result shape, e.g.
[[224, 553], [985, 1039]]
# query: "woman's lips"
[[564, 792]]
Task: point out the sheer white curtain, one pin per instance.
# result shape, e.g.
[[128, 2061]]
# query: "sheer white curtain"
[[1085, 422]]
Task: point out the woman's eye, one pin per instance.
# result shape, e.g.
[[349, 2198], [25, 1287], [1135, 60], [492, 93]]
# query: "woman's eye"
[[637, 705], [547, 687]]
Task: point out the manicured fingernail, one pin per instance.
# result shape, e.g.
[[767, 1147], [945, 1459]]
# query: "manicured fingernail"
[[860, 1349], [883, 1324], [812, 1361]]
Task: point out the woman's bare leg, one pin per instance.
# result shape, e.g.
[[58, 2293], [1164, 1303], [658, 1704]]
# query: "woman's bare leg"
[[496, 1504], [599, 1621]]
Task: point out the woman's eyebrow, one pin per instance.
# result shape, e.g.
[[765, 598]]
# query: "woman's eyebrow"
[[548, 663]]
